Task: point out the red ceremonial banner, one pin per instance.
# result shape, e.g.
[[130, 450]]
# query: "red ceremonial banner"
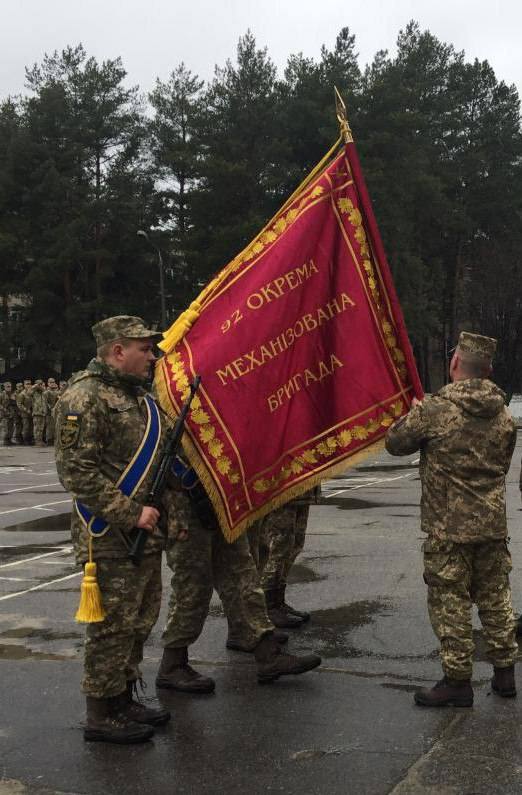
[[302, 349]]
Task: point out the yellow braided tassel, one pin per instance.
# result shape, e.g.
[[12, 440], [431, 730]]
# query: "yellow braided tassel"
[[90, 608]]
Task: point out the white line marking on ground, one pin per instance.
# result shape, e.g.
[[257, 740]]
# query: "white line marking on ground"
[[417, 460], [34, 507], [42, 585], [31, 486], [60, 551], [363, 485], [17, 579]]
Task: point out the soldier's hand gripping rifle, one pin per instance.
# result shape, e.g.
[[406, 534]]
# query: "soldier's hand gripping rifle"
[[162, 471]]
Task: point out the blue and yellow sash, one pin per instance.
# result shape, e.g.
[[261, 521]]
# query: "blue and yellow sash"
[[134, 473]]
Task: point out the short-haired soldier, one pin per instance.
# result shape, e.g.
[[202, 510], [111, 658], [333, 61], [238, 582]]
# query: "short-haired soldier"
[[102, 419], [466, 437]]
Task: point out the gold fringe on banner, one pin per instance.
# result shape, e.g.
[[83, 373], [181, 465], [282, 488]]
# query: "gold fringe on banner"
[[297, 490]]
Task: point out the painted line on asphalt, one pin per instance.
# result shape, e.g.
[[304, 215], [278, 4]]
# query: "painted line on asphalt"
[[365, 485], [42, 585], [40, 507], [36, 557], [31, 486]]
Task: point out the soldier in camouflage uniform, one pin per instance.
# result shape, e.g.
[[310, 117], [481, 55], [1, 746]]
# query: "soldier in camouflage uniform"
[[7, 413], [18, 435], [38, 412], [50, 398], [100, 423], [24, 401], [201, 560], [466, 439], [275, 542]]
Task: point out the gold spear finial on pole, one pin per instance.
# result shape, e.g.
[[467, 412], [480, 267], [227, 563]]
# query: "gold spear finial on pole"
[[340, 109]]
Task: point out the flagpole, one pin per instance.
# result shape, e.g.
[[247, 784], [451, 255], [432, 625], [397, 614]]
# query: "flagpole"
[[340, 109]]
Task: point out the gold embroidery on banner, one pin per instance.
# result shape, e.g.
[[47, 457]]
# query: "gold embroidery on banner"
[[206, 430], [346, 207], [276, 230], [329, 447]]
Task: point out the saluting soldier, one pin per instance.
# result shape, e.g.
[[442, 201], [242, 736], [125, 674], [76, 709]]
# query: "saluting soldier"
[[103, 418], [466, 437]]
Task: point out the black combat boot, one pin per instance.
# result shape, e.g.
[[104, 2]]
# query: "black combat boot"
[[277, 614], [503, 682], [136, 710], [236, 644], [273, 662], [176, 674], [302, 614], [446, 693], [107, 724]]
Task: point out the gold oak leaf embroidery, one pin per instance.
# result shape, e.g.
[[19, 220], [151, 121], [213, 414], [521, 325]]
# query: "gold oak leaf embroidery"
[[215, 448], [345, 437], [206, 433], [345, 205]]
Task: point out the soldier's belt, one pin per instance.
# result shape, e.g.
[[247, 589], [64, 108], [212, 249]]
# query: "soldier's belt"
[[134, 473]]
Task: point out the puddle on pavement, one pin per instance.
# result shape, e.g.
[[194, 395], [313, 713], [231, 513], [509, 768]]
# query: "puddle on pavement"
[[27, 549], [16, 652], [355, 503], [332, 627], [57, 522], [302, 573], [328, 631], [39, 632]]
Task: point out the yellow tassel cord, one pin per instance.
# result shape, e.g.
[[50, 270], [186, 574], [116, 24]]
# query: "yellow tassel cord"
[[186, 320], [90, 608]]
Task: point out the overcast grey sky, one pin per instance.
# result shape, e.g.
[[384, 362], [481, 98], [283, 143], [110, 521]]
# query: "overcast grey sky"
[[153, 36]]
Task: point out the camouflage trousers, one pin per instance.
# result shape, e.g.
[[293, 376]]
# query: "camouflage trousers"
[[276, 541], [27, 428], [18, 429], [49, 429], [7, 426], [201, 560], [38, 428], [458, 575], [114, 647]]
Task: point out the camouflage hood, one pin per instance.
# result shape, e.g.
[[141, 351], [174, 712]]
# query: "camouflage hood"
[[477, 396]]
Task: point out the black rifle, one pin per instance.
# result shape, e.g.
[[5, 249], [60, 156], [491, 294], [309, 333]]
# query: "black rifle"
[[161, 473]]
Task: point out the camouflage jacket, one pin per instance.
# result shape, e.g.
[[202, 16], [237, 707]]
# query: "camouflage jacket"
[[100, 422], [466, 437], [50, 398], [38, 405], [24, 401], [7, 406]]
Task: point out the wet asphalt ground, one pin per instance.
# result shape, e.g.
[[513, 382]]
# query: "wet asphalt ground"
[[349, 727]]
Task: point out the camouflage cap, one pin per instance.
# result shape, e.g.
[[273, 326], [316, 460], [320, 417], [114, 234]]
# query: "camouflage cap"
[[475, 347], [121, 327]]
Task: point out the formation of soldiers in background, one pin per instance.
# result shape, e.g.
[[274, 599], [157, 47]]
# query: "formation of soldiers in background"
[[26, 411]]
